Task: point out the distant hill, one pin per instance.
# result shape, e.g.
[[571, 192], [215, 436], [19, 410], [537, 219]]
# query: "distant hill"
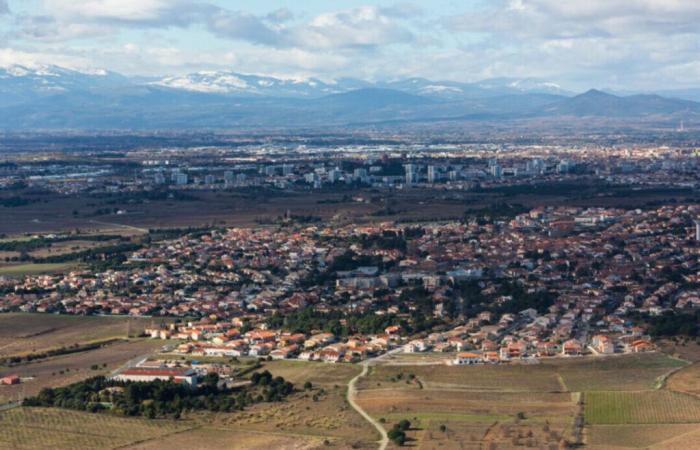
[[57, 98], [598, 103]]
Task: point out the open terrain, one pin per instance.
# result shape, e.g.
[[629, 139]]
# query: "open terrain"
[[41, 428], [520, 405], [54, 350], [320, 413], [25, 333], [66, 369], [20, 270], [618, 403], [53, 212]]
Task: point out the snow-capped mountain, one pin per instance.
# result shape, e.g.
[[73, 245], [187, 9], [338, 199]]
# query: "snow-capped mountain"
[[524, 85], [23, 83], [232, 83], [51, 97]]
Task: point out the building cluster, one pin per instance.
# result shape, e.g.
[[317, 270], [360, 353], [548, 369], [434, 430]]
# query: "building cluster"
[[380, 166], [551, 281]]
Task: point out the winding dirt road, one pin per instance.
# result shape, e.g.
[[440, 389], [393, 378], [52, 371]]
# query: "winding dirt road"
[[352, 394]]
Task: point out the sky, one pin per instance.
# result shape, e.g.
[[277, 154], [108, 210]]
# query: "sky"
[[578, 44]]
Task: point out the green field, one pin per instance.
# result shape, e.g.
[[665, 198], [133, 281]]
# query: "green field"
[[35, 269], [645, 407]]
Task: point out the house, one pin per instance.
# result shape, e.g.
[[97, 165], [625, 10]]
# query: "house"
[[467, 358], [603, 344], [490, 357], [416, 345], [572, 347], [330, 354], [392, 329], [182, 375], [642, 346], [9, 379]]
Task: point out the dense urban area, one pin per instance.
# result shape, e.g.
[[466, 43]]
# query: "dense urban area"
[[368, 255]]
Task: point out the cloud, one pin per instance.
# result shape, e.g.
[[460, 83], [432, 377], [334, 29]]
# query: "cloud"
[[365, 26], [153, 13], [567, 19], [4, 7], [577, 43]]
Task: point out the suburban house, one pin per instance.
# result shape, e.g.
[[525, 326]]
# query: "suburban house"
[[146, 374]]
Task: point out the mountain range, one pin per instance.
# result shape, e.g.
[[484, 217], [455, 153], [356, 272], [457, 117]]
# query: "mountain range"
[[53, 97]]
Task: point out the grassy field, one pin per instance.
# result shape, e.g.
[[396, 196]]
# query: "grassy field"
[[645, 407], [20, 270], [318, 414], [39, 428]]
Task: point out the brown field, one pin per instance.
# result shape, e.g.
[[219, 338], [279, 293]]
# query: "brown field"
[[329, 417], [208, 438], [21, 334], [684, 349], [474, 419], [618, 373], [66, 369], [327, 375], [55, 249], [510, 405], [235, 208], [686, 380], [640, 436], [41, 428], [512, 378], [464, 405]]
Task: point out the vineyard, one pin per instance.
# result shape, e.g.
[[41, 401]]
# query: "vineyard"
[[33, 428], [647, 407]]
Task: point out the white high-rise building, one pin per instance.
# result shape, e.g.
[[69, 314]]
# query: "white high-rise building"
[[411, 173], [433, 174]]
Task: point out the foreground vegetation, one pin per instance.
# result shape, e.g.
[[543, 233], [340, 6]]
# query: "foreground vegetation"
[[161, 399]]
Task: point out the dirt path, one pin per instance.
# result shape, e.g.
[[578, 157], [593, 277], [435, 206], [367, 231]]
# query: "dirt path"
[[352, 394]]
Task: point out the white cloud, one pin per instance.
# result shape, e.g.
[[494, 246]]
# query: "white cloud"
[[365, 26], [579, 43], [136, 12]]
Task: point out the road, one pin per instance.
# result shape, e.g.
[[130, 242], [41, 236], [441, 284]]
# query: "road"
[[130, 227], [11, 405], [352, 394]]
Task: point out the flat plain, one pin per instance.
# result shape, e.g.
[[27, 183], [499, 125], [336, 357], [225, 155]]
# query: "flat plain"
[[25, 333]]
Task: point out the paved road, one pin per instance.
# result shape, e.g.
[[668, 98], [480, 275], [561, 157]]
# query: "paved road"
[[352, 394]]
